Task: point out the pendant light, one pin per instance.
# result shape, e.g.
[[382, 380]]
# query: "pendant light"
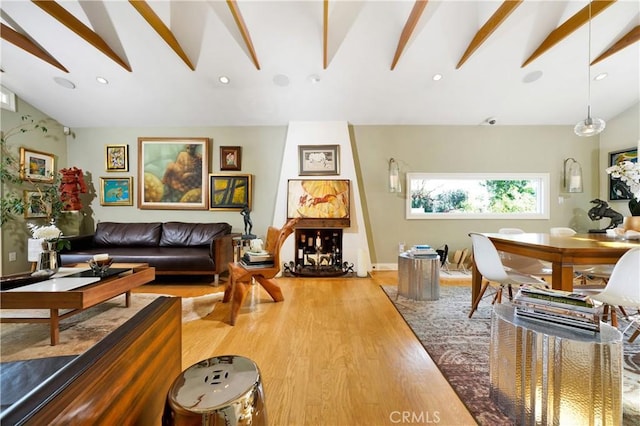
[[589, 126]]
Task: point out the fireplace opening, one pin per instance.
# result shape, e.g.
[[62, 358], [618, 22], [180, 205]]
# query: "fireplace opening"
[[318, 253]]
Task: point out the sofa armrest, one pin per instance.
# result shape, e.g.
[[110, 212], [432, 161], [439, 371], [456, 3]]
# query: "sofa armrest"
[[221, 252], [123, 379], [79, 243]]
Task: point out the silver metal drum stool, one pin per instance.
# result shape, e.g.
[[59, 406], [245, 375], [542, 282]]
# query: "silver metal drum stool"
[[419, 276], [224, 390]]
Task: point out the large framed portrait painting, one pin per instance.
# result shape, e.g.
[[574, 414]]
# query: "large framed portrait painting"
[[173, 173]]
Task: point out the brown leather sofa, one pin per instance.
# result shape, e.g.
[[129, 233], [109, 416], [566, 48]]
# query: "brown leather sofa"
[[173, 248]]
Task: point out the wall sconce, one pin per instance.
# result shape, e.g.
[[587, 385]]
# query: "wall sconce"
[[572, 175], [394, 176]]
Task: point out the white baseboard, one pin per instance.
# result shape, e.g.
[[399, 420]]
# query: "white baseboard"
[[385, 266]]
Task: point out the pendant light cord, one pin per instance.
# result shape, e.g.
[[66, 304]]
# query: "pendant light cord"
[[589, 67]]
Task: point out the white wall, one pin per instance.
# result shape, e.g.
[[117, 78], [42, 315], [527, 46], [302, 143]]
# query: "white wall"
[[354, 238]]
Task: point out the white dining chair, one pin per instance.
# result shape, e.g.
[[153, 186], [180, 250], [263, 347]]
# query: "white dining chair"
[[510, 231], [560, 231], [523, 264], [623, 290], [487, 260], [585, 274]]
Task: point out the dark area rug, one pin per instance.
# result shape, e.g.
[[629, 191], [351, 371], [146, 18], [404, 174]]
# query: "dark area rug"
[[460, 348]]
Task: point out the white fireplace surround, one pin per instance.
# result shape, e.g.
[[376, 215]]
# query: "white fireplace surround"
[[354, 241]]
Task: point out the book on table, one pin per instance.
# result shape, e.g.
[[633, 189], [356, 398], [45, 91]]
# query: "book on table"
[[256, 265], [252, 260], [558, 307], [422, 250], [257, 257]]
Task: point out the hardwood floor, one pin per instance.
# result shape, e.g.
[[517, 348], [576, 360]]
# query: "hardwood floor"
[[335, 352]]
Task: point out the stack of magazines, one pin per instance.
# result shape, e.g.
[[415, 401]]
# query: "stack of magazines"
[[257, 260], [563, 308], [422, 250]]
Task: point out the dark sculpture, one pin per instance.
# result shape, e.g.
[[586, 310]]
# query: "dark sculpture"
[[248, 224], [602, 210]]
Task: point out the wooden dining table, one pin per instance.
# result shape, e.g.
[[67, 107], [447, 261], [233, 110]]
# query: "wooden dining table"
[[562, 251]]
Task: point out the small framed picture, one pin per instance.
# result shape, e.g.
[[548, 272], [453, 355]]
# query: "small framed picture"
[[229, 192], [35, 205], [36, 166], [116, 191], [618, 190], [318, 160], [230, 157], [117, 158]]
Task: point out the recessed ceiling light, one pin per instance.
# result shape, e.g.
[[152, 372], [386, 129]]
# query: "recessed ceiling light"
[[102, 80], [437, 77], [600, 76], [224, 79], [281, 80], [532, 76], [314, 78], [64, 82]]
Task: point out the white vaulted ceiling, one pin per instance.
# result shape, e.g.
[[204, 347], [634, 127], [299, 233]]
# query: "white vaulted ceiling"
[[280, 68]]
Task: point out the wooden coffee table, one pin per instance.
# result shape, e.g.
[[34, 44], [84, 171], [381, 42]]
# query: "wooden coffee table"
[[77, 299]]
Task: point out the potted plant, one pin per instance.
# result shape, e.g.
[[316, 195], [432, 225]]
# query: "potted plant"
[[12, 203]]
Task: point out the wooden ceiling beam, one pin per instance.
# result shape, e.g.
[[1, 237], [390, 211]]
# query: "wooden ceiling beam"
[[237, 16], [500, 15], [163, 31], [12, 36], [409, 26], [74, 24], [627, 40], [569, 26], [325, 34]]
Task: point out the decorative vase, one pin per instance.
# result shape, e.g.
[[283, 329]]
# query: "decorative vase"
[[70, 222], [47, 262], [632, 223], [34, 248]]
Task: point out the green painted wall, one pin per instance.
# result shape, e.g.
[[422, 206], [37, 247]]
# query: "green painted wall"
[[416, 148]]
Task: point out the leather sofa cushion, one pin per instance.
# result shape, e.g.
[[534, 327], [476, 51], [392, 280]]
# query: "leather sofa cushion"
[[18, 378], [183, 234], [161, 258], [127, 234]]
